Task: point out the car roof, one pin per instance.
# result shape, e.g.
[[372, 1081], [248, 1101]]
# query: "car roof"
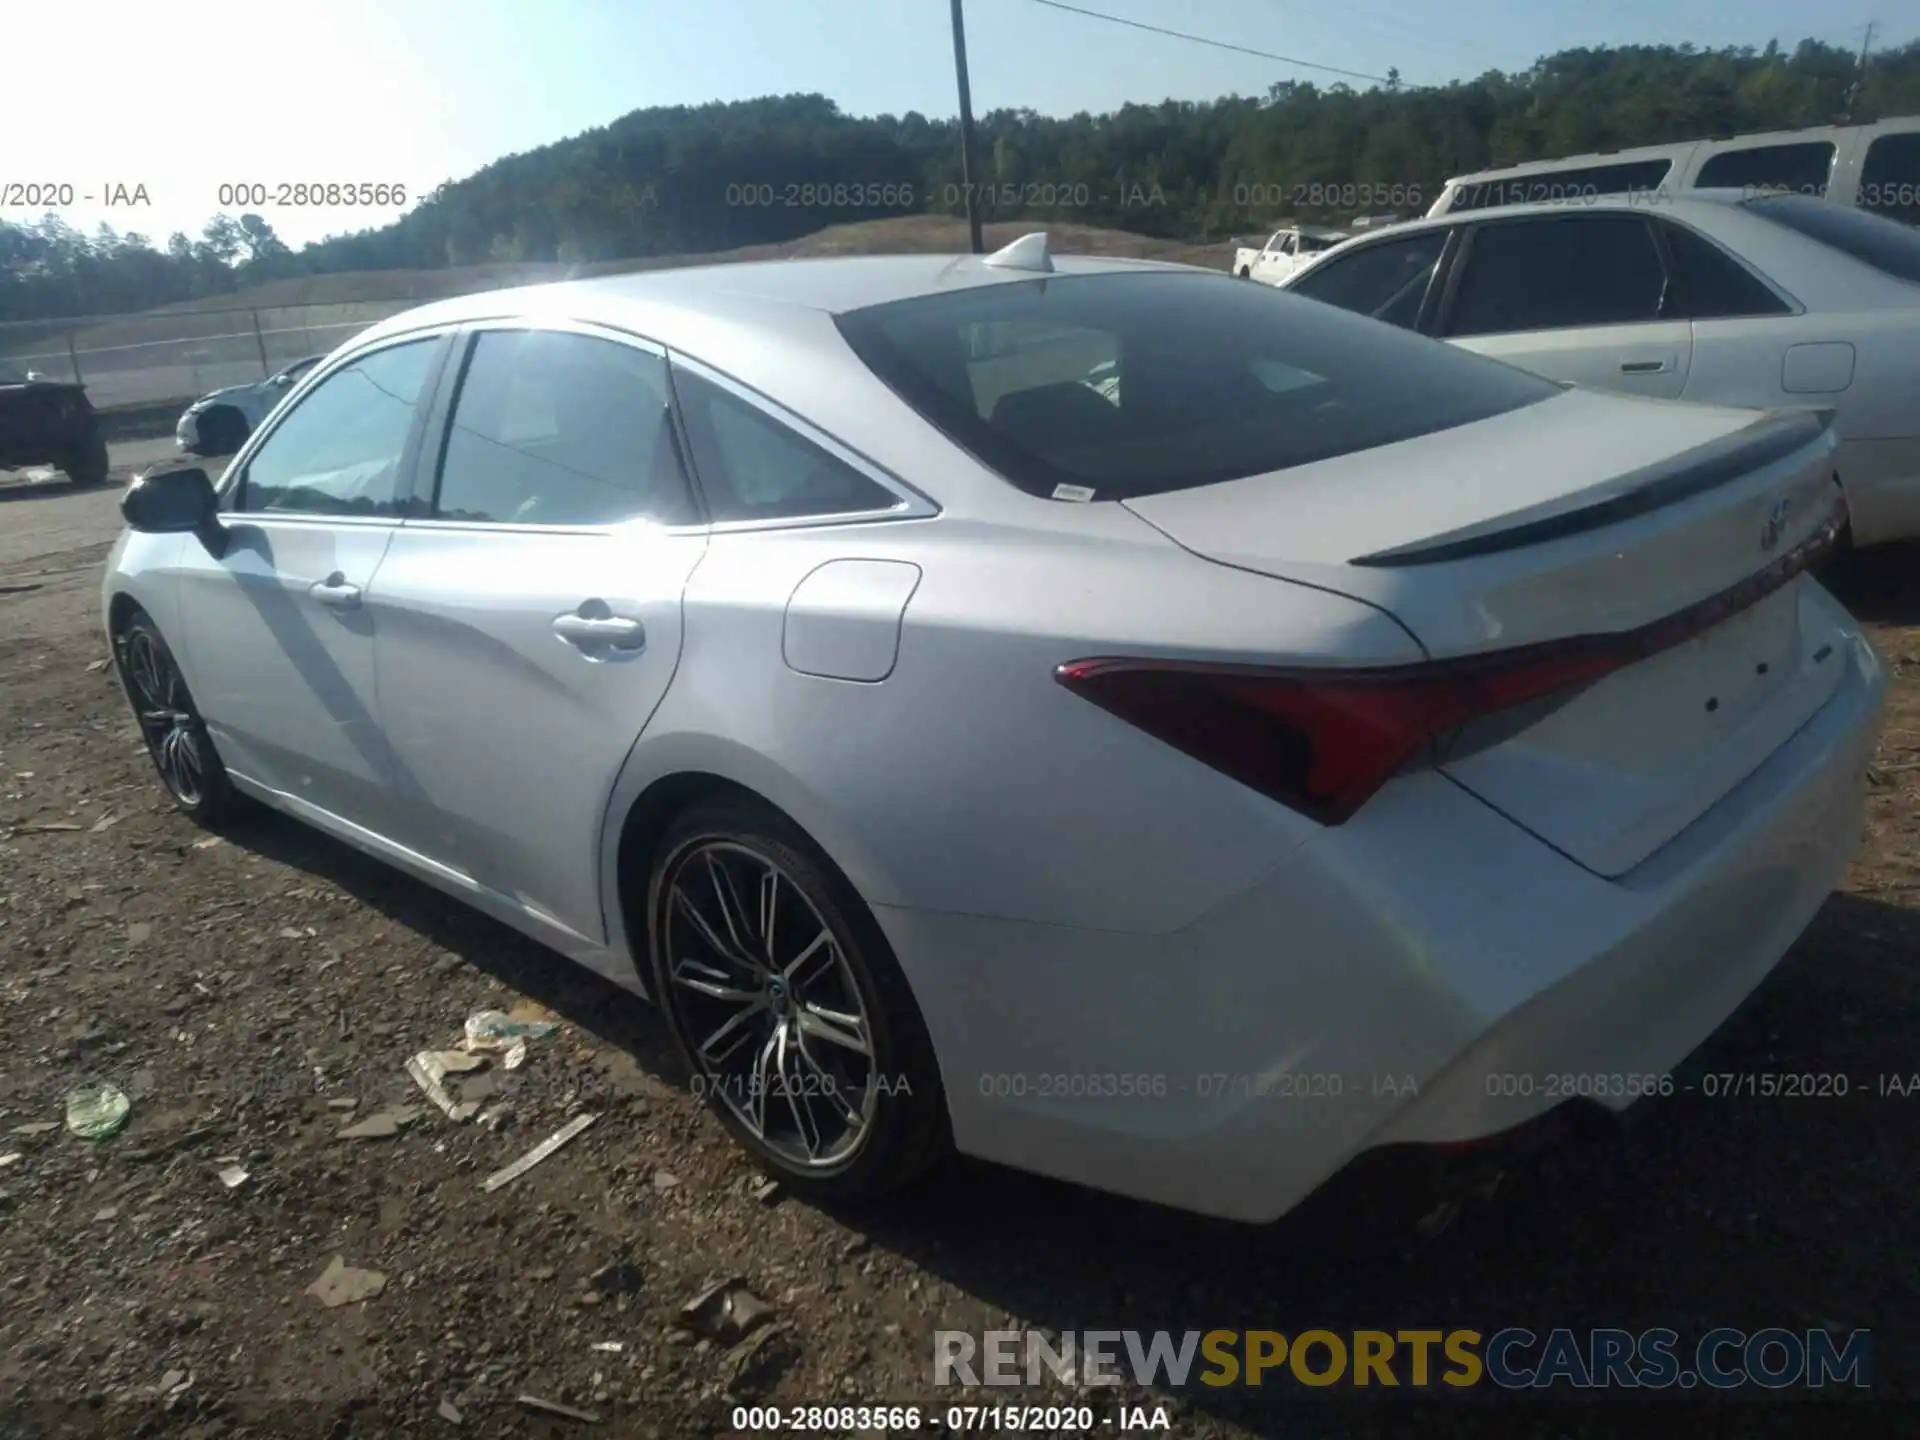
[[769, 325], [1697, 202], [828, 286]]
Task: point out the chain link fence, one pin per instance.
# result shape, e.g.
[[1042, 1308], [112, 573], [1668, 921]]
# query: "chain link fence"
[[159, 357]]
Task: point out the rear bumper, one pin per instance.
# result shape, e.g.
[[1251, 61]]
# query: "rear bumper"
[[1427, 973]]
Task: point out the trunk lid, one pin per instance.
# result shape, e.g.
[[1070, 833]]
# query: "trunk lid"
[[1586, 514]]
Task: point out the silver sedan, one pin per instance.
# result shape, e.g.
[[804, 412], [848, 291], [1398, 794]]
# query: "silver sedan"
[[1155, 731]]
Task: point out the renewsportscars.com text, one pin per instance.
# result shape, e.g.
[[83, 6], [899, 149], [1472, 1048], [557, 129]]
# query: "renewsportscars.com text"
[[1514, 1358]]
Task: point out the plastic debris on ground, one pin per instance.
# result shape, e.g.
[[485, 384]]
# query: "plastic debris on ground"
[[450, 1412], [232, 1176], [96, 1110], [539, 1152], [725, 1312], [430, 1069], [495, 1030], [342, 1284], [554, 1407]]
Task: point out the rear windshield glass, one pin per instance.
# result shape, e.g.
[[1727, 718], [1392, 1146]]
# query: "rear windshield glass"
[[1886, 245], [1134, 384]]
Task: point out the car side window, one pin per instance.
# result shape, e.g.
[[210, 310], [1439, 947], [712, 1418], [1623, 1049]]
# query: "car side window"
[[1779, 169], [1387, 281], [1709, 284], [555, 428], [1890, 178], [340, 450], [1559, 272], [754, 467]]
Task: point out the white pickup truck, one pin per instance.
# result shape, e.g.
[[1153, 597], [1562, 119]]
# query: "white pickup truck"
[[1284, 253]]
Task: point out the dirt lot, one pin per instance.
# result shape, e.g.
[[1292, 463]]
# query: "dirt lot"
[[243, 990]]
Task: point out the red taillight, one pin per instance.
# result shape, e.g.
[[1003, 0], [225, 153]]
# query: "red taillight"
[[1324, 741]]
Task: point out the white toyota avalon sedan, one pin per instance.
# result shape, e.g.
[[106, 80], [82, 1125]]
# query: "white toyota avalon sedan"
[[1099, 716]]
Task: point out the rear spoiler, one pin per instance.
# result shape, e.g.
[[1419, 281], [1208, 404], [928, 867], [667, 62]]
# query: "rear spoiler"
[[1771, 438]]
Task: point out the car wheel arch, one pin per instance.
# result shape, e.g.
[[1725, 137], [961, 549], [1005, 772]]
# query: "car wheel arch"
[[120, 612], [634, 827], [223, 421]]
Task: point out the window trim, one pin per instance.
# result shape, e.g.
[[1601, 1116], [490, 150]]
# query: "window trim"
[[909, 504], [1463, 261], [233, 482], [424, 494]]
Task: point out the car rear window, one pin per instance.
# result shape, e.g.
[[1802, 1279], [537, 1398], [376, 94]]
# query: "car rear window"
[[1886, 245], [1105, 387]]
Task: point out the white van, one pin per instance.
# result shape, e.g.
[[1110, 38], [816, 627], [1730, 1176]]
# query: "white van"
[[1875, 166]]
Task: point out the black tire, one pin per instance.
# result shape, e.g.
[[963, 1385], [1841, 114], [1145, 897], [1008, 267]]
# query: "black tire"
[[222, 431], [177, 741], [897, 1086], [88, 465], [1244, 273]]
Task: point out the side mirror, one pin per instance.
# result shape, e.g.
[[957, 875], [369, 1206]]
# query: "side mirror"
[[175, 502]]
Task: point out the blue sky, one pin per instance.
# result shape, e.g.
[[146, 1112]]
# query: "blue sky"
[[181, 99]]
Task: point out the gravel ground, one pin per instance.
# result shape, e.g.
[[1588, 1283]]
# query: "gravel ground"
[[259, 991]]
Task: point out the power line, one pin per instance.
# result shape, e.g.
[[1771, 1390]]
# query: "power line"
[[1217, 44], [1429, 36]]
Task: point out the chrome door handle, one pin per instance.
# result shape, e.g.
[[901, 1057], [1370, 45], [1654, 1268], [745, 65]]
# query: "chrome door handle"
[[1646, 367], [335, 592], [615, 631]]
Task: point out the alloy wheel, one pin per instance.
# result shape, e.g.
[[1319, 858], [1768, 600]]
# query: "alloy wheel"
[[768, 1004], [167, 721]]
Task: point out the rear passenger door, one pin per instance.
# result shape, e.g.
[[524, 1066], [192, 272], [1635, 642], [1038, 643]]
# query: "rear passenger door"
[[1742, 327], [530, 610], [1575, 297]]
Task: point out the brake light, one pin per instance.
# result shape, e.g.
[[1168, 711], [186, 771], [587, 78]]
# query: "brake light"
[[1324, 741]]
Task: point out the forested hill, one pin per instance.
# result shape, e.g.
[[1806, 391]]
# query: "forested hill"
[[686, 179]]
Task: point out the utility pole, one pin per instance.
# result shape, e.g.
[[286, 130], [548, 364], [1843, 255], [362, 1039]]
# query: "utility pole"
[[966, 130], [1860, 77]]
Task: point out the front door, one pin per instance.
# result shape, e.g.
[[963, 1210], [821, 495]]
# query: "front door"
[[529, 622], [276, 639]]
